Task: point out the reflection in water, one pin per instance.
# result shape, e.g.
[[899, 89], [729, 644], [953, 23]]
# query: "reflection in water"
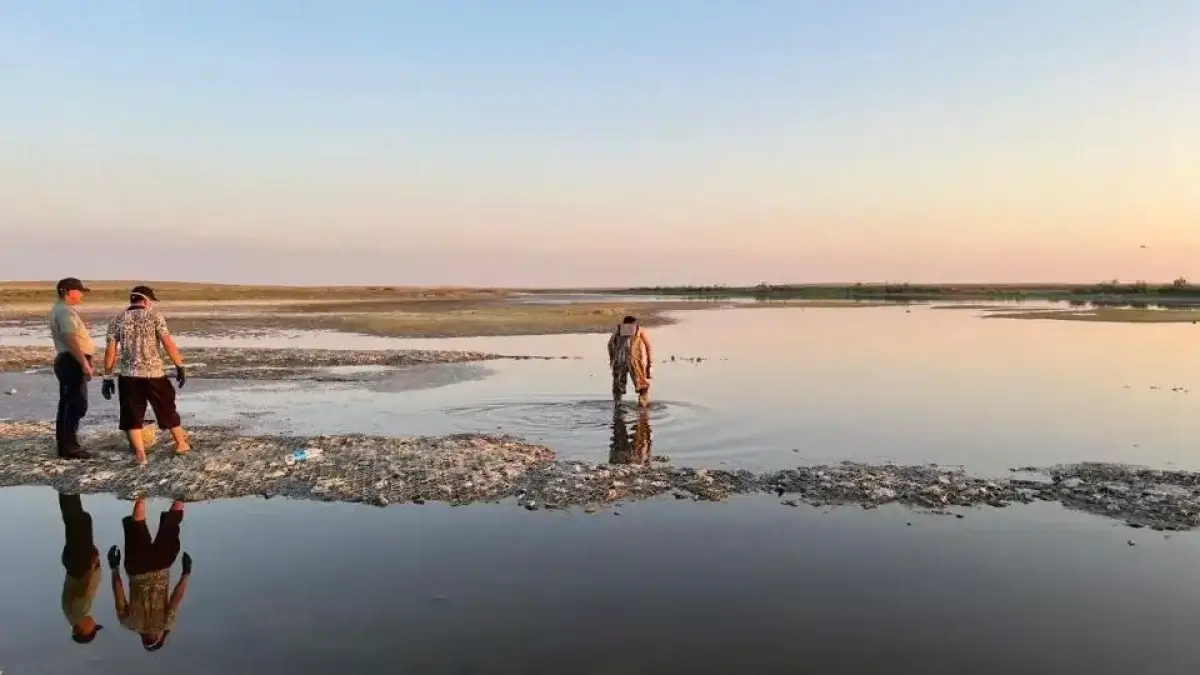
[[150, 611], [623, 449], [82, 563]]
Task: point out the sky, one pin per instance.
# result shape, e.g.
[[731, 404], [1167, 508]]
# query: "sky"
[[623, 142]]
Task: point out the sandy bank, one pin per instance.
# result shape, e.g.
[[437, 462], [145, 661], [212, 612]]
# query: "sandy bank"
[[461, 469], [228, 363]]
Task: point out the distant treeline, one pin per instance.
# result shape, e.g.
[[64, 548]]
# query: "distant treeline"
[[1180, 288]]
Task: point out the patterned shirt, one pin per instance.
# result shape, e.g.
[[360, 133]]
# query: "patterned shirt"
[[65, 321], [149, 608], [138, 331]]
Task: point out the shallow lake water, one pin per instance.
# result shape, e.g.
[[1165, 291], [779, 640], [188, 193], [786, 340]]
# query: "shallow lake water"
[[776, 388], [281, 587], [672, 586]]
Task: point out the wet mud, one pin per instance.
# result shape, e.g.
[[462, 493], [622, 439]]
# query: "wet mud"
[[228, 363], [466, 468]]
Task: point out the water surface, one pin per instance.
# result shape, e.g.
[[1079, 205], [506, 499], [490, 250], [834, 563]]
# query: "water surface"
[[283, 587], [778, 387], [666, 586]]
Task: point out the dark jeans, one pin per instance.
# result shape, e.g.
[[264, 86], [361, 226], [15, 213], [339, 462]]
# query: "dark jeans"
[[72, 402], [79, 554]]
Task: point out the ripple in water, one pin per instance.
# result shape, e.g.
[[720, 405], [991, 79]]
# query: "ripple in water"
[[588, 428], [557, 416]]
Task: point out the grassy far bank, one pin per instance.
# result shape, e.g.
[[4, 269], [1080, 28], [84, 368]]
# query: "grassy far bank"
[[1178, 290], [23, 292], [474, 321]]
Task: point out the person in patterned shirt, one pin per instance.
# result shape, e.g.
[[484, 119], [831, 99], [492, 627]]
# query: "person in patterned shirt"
[[135, 335], [151, 607]]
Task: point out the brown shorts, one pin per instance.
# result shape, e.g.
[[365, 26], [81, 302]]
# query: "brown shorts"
[[144, 555], [133, 393]]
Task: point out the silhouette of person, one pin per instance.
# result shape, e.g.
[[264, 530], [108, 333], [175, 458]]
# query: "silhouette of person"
[[150, 611], [81, 561], [623, 449]]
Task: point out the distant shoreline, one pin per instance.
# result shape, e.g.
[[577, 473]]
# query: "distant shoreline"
[[1179, 291]]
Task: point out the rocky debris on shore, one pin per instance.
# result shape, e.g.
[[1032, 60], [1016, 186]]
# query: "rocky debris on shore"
[[1142, 497], [230, 363], [467, 468], [461, 468]]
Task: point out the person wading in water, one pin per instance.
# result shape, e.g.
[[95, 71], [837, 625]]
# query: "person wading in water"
[[72, 366], [135, 335], [630, 358]]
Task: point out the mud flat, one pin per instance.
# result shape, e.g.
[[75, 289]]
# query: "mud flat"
[[228, 363], [467, 468]]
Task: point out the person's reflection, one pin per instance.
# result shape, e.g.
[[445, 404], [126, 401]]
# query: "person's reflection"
[[82, 563], [624, 450], [150, 611]]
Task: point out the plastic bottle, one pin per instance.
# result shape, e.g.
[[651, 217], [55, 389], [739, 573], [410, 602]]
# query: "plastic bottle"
[[302, 455]]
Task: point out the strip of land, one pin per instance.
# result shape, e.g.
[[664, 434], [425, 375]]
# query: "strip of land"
[[213, 309], [227, 363], [463, 469], [1105, 314], [1179, 292]]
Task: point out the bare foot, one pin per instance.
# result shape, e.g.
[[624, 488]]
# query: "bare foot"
[[183, 449]]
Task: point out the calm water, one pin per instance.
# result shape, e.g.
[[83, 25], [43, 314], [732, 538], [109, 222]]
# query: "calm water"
[[680, 587], [780, 387], [665, 587]]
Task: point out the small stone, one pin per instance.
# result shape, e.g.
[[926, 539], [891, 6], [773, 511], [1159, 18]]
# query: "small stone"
[[1132, 543], [791, 502], [11, 392], [382, 501], [531, 506], [418, 501], [959, 516]]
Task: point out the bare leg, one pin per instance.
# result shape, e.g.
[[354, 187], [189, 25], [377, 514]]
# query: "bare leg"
[[176, 505], [139, 509], [138, 445], [181, 443]]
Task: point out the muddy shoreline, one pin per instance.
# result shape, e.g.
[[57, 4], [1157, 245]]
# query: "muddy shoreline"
[[468, 468], [229, 363]]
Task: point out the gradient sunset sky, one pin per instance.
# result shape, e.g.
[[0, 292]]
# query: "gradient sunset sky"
[[613, 143]]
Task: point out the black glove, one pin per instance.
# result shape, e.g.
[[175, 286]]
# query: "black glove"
[[187, 563], [108, 388], [180, 376], [114, 558]]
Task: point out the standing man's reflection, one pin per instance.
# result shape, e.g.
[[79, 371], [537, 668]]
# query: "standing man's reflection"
[[82, 563], [150, 611], [624, 450]]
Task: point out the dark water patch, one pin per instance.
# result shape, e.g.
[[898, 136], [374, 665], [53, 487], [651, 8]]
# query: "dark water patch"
[[291, 587]]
